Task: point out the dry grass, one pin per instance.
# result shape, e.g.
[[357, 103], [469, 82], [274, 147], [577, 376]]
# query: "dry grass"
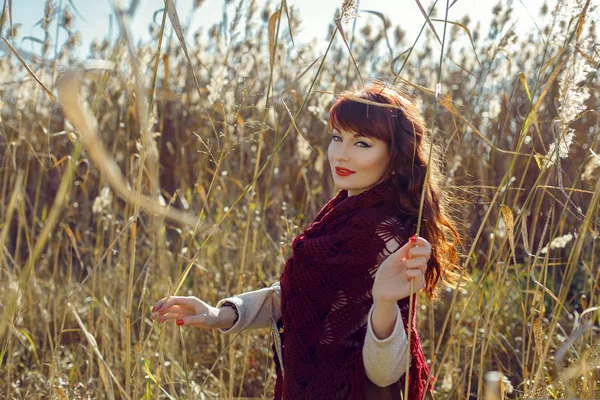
[[192, 169]]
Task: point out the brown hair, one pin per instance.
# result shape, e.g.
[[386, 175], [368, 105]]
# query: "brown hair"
[[401, 126]]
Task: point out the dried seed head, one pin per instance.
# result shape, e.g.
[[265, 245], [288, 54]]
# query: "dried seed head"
[[366, 31], [590, 167], [303, 150], [294, 20], [349, 10], [386, 23], [558, 243], [48, 13], [198, 37], [252, 8], [105, 44], [154, 30], [572, 93], [102, 202], [399, 34], [16, 30], [214, 32], [74, 40], [561, 145], [218, 80], [94, 46], [198, 3], [47, 45], [265, 14], [67, 19], [497, 9]]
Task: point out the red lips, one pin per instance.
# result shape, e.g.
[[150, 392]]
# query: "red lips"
[[343, 171]]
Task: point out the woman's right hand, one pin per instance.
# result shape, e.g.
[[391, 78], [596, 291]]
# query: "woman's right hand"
[[188, 310]]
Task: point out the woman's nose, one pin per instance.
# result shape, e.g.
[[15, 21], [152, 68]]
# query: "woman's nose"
[[342, 152]]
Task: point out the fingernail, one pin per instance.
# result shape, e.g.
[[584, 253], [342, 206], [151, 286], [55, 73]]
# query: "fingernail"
[[413, 238], [179, 322], [153, 308], [162, 319]]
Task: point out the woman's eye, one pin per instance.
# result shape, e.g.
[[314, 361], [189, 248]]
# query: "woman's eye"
[[365, 145]]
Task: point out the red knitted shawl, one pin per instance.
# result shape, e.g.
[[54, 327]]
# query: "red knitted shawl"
[[326, 297]]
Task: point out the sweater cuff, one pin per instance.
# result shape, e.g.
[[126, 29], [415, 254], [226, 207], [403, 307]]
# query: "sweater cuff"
[[397, 335], [239, 305]]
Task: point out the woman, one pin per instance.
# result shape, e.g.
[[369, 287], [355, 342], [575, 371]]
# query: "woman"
[[340, 311]]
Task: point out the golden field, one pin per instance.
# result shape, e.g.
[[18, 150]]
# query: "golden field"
[[189, 167]]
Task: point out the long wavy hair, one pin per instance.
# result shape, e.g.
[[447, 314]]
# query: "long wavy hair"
[[394, 118]]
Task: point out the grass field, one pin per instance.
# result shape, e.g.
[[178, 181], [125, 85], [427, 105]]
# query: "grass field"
[[189, 170]]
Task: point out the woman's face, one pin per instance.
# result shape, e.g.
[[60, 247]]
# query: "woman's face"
[[367, 157]]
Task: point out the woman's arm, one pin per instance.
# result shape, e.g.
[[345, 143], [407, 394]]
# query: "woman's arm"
[[384, 356], [386, 343], [383, 319], [255, 309]]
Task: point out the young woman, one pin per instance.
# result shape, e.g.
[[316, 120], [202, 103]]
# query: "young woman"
[[340, 311]]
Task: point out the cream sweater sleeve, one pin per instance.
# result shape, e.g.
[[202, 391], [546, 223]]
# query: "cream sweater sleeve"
[[385, 359], [255, 308]]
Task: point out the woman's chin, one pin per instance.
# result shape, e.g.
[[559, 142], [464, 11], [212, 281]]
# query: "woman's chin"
[[341, 181]]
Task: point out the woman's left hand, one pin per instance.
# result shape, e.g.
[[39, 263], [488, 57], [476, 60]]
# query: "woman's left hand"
[[393, 277]]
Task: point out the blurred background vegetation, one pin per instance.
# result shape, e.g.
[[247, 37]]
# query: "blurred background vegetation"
[[229, 133]]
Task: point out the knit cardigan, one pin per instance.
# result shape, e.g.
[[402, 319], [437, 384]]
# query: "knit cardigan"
[[384, 359]]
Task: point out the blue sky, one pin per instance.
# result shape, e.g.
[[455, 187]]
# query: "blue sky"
[[314, 14]]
